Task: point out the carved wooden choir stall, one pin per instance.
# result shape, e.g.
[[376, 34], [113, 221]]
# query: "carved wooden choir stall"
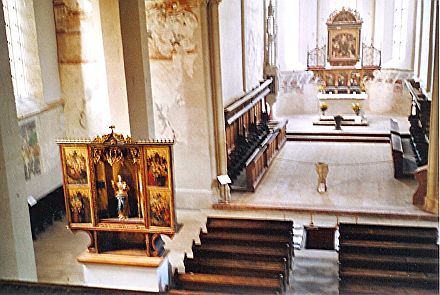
[[120, 191], [252, 140]]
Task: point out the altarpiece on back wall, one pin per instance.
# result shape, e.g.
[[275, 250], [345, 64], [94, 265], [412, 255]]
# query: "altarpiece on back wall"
[[120, 191], [341, 82]]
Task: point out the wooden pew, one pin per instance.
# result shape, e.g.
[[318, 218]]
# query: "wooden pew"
[[404, 161], [227, 283], [399, 259], [47, 209], [233, 249], [264, 269], [249, 225], [256, 253]]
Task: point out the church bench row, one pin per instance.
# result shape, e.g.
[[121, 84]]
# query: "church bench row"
[[419, 119], [384, 259], [404, 161], [225, 283], [47, 209], [236, 267], [233, 249]]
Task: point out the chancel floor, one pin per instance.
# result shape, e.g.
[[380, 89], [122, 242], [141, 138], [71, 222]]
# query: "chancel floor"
[[360, 179]]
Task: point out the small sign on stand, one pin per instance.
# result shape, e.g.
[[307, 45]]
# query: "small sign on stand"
[[224, 182]]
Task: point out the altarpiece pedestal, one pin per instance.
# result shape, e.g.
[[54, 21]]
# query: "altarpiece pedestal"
[[120, 191]]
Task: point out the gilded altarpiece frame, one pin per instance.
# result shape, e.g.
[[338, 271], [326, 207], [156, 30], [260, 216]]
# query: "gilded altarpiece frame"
[[344, 37], [120, 192]]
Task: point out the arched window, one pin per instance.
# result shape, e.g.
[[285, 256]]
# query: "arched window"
[[400, 31], [23, 54]]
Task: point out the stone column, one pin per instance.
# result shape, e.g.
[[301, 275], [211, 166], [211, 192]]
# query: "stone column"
[[432, 195], [17, 258], [217, 96], [82, 67], [137, 68], [271, 69], [114, 61]]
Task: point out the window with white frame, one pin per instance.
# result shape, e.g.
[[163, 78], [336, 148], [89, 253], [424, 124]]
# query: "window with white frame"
[[400, 32], [23, 54]]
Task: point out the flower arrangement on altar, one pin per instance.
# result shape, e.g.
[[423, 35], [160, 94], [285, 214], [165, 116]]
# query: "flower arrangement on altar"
[[323, 106], [356, 107]]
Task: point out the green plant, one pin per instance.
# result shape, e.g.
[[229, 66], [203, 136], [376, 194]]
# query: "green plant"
[[323, 106]]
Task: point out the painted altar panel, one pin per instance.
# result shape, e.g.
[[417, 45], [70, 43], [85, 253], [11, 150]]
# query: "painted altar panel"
[[344, 44], [160, 207], [120, 192], [158, 165], [77, 188]]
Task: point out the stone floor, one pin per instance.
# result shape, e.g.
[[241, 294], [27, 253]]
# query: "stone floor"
[[360, 179]]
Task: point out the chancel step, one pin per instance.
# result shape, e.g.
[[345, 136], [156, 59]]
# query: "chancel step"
[[339, 137]]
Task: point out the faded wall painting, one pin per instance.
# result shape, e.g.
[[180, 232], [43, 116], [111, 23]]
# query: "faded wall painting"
[[30, 149], [171, 25], [160, 214]]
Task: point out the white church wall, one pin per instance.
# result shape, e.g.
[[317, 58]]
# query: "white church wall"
[[114, 65], [43, 168], [231, 55], [288, 13], [41, 118], [253, 43], [82, 68], [179, 86], [47, 49], [298, 96], [424, 60], [17, 257], [307, 29]]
